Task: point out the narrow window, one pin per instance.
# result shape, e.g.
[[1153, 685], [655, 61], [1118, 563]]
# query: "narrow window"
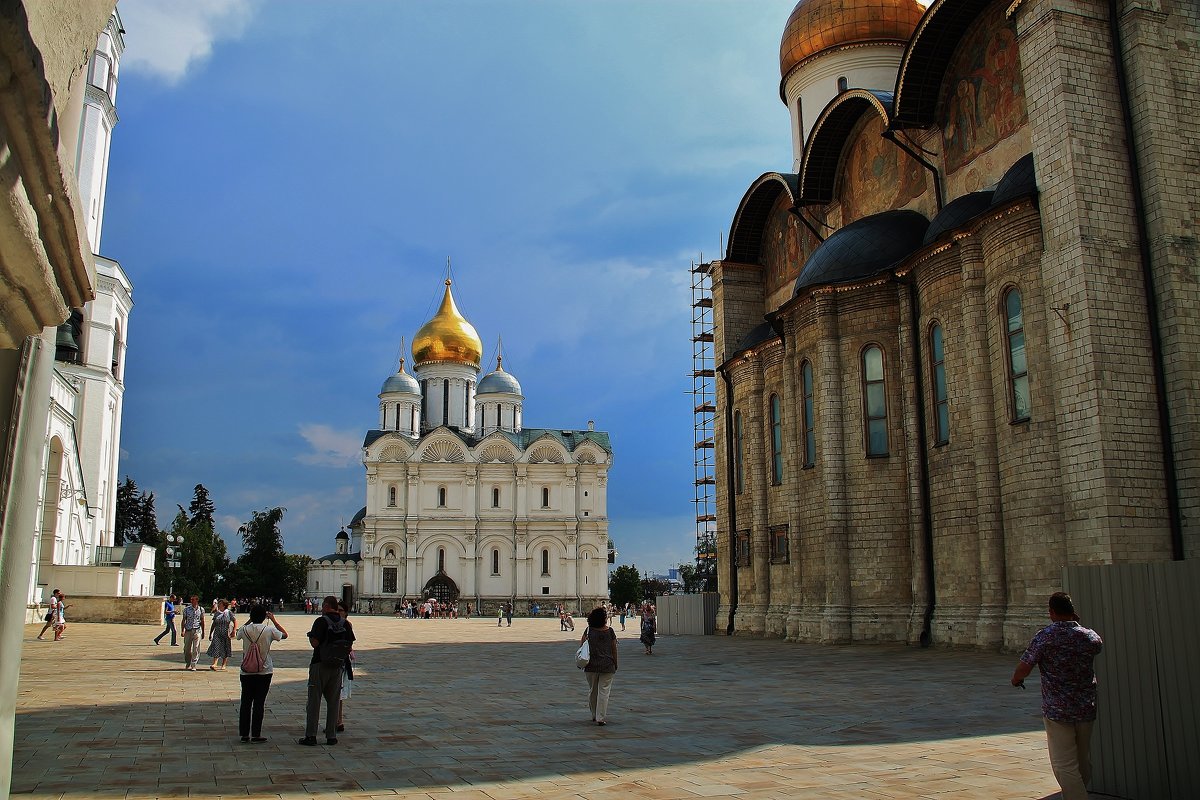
[[392, 496], [441, 559], [545, 562], [495, 562], [808, 420], [497, 415], [389, 580], [1018, 368], [941, 403], [441, 497], [467, 403], [843, 84], [397, 416], [414, 419], [776, 440], [738, 482], [779, 544], [445, 402], [425, 401], [799, 120], [545, 497], [495, 497], [875, 401], [743, 548]]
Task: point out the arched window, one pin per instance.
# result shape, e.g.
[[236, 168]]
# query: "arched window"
[[738, 478], [392, 496], [495, 497], [874, 401], [941, 403], [776, 440], [441, 497], [545, 562], [441, 559], [446, 402], [1018, 369], [807, 419], [495, 561], [545, 497]]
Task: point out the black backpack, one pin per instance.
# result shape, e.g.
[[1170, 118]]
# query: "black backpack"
[[335, 647]]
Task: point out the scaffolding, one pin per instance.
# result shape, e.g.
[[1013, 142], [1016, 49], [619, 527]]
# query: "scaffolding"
[[704, 405]]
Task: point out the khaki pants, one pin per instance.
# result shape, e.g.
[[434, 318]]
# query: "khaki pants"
[[324, 684], [600, 684], [1069, 743], [191, 647]]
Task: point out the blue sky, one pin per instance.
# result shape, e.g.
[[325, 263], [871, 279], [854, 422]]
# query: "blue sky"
[[288, 179]]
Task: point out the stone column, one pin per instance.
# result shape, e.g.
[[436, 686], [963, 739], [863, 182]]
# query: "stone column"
[[792, 396], [835, 620], [913, 454]]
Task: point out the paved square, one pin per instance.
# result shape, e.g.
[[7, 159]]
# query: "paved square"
[[459, 709]]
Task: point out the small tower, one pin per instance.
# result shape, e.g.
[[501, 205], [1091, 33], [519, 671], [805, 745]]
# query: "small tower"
[[446, 353], [498, 401], [342, 542], [400, 404]]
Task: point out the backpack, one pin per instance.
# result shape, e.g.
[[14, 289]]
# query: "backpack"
[[335, 647], [252, 661]]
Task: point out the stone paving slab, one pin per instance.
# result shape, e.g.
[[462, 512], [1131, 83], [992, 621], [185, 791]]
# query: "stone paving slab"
[[463, 710]]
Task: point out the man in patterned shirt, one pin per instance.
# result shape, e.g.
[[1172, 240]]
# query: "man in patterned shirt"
[[193, 633], [1063, 652]]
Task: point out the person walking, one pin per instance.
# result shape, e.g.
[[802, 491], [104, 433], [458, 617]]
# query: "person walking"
[[602, 665], [193, 633], [51, 614], [169, 616], [649, 627], [508, 612], [624, 610], [256, 635], [1063, 652], [331, 638], [60, 617], [499, 615], [220, 645]]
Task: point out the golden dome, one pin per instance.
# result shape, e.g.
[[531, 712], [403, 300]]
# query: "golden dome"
[[817, 25], [447, 337]]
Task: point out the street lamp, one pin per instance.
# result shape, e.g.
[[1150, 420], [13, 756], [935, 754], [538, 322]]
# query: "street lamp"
[[174, 555]]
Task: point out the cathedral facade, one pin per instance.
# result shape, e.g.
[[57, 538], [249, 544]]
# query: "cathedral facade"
[[958, 340], [464, 502]]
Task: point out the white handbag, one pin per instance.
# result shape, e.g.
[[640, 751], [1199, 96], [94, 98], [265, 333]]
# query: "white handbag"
[[583, 655]]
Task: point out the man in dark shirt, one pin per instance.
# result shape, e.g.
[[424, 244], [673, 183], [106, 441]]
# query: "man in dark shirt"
[[1063, 653], [324, 678]]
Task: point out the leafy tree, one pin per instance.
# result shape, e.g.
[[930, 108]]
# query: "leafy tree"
[[693, 581], [654, 587], [624, 585], [201, 509], [264, 564], [297, 576], [203, 556]]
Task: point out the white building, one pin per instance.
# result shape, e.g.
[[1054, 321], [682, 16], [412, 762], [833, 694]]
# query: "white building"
[[465, 503], [73, 547]]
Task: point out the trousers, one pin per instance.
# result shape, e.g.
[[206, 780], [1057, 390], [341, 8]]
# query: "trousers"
[[254, 701], [324, 683], [191, 647], [169, 629], [600, 684], [1069, 744]]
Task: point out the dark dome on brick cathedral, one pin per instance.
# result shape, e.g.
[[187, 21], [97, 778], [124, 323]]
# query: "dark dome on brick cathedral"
[[1019, 181], [817, 25], [956, 213], [863, 248]]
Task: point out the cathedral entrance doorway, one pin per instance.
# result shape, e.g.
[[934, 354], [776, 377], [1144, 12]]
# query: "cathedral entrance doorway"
[[348, 596], [441, 587]]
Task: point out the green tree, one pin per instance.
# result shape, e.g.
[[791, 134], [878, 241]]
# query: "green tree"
[[201, 509], [297, 576], [654, 587], [624, 585], [203, 556], [136, 520], [693, 581], [264, 564]]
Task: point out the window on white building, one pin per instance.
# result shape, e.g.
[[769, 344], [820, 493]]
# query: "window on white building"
[[495, 562], [441, 497]]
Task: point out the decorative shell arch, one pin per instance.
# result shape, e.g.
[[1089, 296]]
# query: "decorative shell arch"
[[547, 452], [444, 450], [497, 449]]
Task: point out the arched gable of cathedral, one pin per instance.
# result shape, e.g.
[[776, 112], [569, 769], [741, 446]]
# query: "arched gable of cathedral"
[[389, 449], [445, 447], [765, 232], [549, 542], [546, 450], [962, 73], [589, 453], [495, 541], [427, 551], [848, 159], [496, 448]]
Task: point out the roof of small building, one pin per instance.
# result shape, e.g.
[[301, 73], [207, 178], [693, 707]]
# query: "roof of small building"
[[498, 382], [348, 557], [523, 438], [863, 248]]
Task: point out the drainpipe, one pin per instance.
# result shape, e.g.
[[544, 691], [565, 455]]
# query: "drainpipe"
[[914, 321], [804, 219], [1139, 213], [729, 492], [890, 135]]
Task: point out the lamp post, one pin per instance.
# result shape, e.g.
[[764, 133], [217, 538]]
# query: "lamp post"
[[174, 555]]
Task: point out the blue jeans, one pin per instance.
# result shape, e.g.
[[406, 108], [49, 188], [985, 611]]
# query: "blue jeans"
[[169, 629]]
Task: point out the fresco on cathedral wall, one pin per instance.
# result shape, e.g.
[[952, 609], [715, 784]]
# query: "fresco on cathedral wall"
[[787, 244], [983, 96], [876, 174]]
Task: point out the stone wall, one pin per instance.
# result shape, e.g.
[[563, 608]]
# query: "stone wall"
[[94, 608]]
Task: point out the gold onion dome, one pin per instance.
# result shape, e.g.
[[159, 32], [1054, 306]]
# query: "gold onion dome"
[[817, 25], [447, 337]]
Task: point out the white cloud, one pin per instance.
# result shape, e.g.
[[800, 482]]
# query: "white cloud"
[[165, 38], [330, 448]]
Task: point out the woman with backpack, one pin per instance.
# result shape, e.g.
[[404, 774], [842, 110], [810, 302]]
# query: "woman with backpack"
[[257, 637]]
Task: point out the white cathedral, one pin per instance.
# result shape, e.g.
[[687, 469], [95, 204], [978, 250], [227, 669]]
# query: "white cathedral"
[[464, 503]]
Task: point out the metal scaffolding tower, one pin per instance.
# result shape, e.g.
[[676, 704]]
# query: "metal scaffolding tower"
[[704, 403]]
